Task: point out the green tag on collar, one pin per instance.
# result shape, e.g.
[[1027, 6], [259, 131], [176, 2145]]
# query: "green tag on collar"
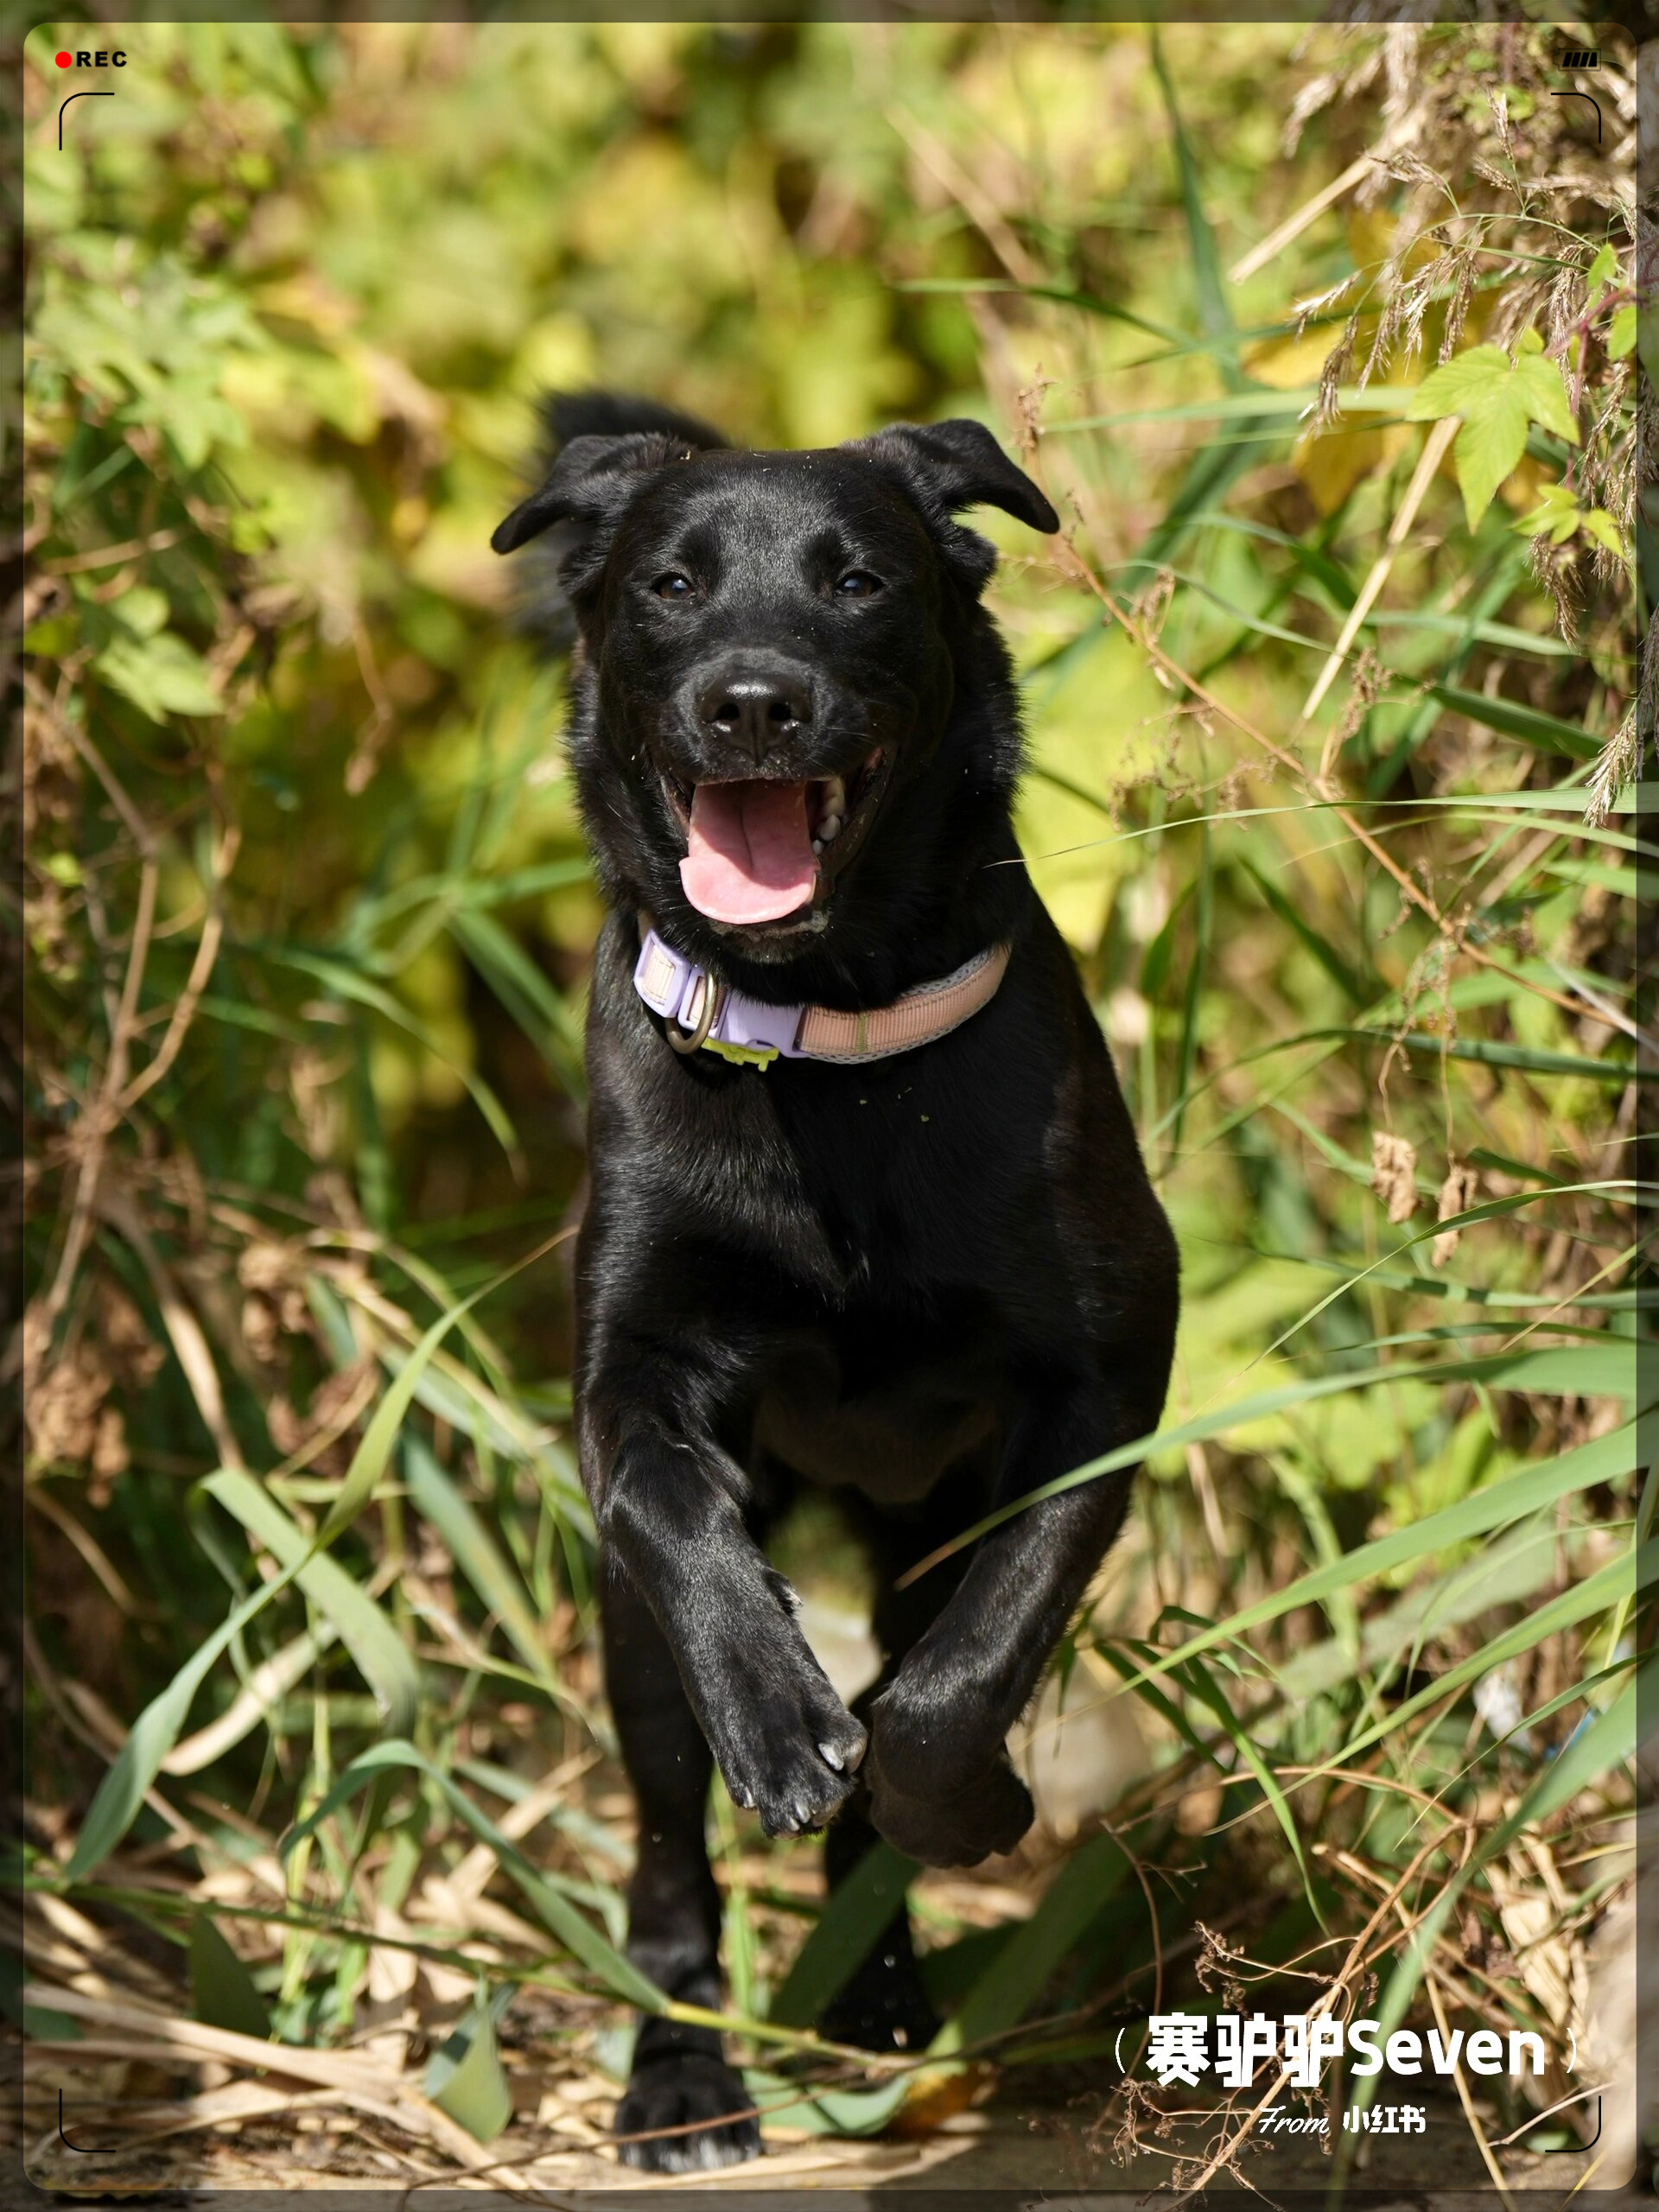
[[742, 1056]]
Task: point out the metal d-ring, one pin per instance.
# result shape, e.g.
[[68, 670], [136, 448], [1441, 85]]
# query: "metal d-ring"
[[688, 1040]]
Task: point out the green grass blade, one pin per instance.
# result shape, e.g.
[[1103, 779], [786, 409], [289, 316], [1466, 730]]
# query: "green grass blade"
[[1187, 1053], [556, 1912], [1318, 945], [381, 1656], [346, 981], [1581, 1601], [1544, 732], [439, 1500], [1202, 1685], [859, 1909], [527, 994], [1606, 1742], [158, 1728], [1507, 1370], [1215, 317], [1015, 1979], [1602, 1460], [152, 1736], [369, 1460]]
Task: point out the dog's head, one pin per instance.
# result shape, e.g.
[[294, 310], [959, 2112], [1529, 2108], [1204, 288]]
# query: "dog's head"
[[772, 647]]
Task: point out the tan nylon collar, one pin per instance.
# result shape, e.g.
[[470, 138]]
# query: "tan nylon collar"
[[701, 1014]]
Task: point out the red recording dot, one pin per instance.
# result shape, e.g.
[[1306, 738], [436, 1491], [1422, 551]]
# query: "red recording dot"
[[65, 61]]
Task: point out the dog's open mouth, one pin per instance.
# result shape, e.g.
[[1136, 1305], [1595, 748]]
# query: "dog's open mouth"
[[758, 850]]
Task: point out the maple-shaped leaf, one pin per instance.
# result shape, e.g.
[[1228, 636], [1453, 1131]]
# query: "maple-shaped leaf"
[[1557, 513], [1496, 397]]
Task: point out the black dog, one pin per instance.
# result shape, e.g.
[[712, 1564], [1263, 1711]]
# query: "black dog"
[[933, 1280]]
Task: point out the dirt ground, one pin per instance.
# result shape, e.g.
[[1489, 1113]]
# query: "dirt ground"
[[1002, 2156]]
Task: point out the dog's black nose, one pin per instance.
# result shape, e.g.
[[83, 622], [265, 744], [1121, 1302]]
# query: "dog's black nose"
[[756, 706]]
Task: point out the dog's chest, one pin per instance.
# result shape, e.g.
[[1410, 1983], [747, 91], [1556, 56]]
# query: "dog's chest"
[[891, 1434], [838, 1206]]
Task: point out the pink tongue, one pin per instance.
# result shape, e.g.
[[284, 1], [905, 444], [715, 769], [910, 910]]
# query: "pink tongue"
[[749, 857]]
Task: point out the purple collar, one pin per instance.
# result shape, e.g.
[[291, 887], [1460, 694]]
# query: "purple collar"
[[701, 1014]]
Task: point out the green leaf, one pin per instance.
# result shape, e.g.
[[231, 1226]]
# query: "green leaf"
[[825, 2112], [1489, 448], [1557, 512], [1600, 275], [1621, 332], [222, 1994], [1496, 397], [1544, 396], [464, 2077], [1462, 385], [1599, 524], [142, 611], [159, 675]]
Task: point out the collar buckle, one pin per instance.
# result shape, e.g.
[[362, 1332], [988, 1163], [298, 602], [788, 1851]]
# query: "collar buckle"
[[709, 999]]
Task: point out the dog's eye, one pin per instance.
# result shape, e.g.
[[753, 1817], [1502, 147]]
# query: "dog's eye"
[[673, 586], [857, 583]]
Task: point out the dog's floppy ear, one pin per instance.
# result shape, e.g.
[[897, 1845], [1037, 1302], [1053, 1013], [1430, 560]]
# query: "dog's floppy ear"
[[945, 466], [959, 464], [590, 483], [606, 443]]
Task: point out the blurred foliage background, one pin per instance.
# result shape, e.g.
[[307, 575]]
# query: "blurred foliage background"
[[1326, 343]]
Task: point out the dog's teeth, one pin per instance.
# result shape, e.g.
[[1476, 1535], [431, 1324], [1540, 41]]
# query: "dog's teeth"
[[835, 795], [817, 845]]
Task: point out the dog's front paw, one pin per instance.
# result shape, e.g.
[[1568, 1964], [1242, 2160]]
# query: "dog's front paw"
[[688, 2113], [954, 1824], [788, 1747]]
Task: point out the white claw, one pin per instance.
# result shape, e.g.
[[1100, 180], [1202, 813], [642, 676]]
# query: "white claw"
[[830, 1756]]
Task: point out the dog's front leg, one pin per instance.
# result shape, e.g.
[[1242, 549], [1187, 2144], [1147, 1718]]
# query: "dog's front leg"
[[942, 1787], [667, 1507]]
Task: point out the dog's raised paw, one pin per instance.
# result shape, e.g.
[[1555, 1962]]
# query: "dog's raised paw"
[[793, 1754], [949, 1827], [688, 2113]]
